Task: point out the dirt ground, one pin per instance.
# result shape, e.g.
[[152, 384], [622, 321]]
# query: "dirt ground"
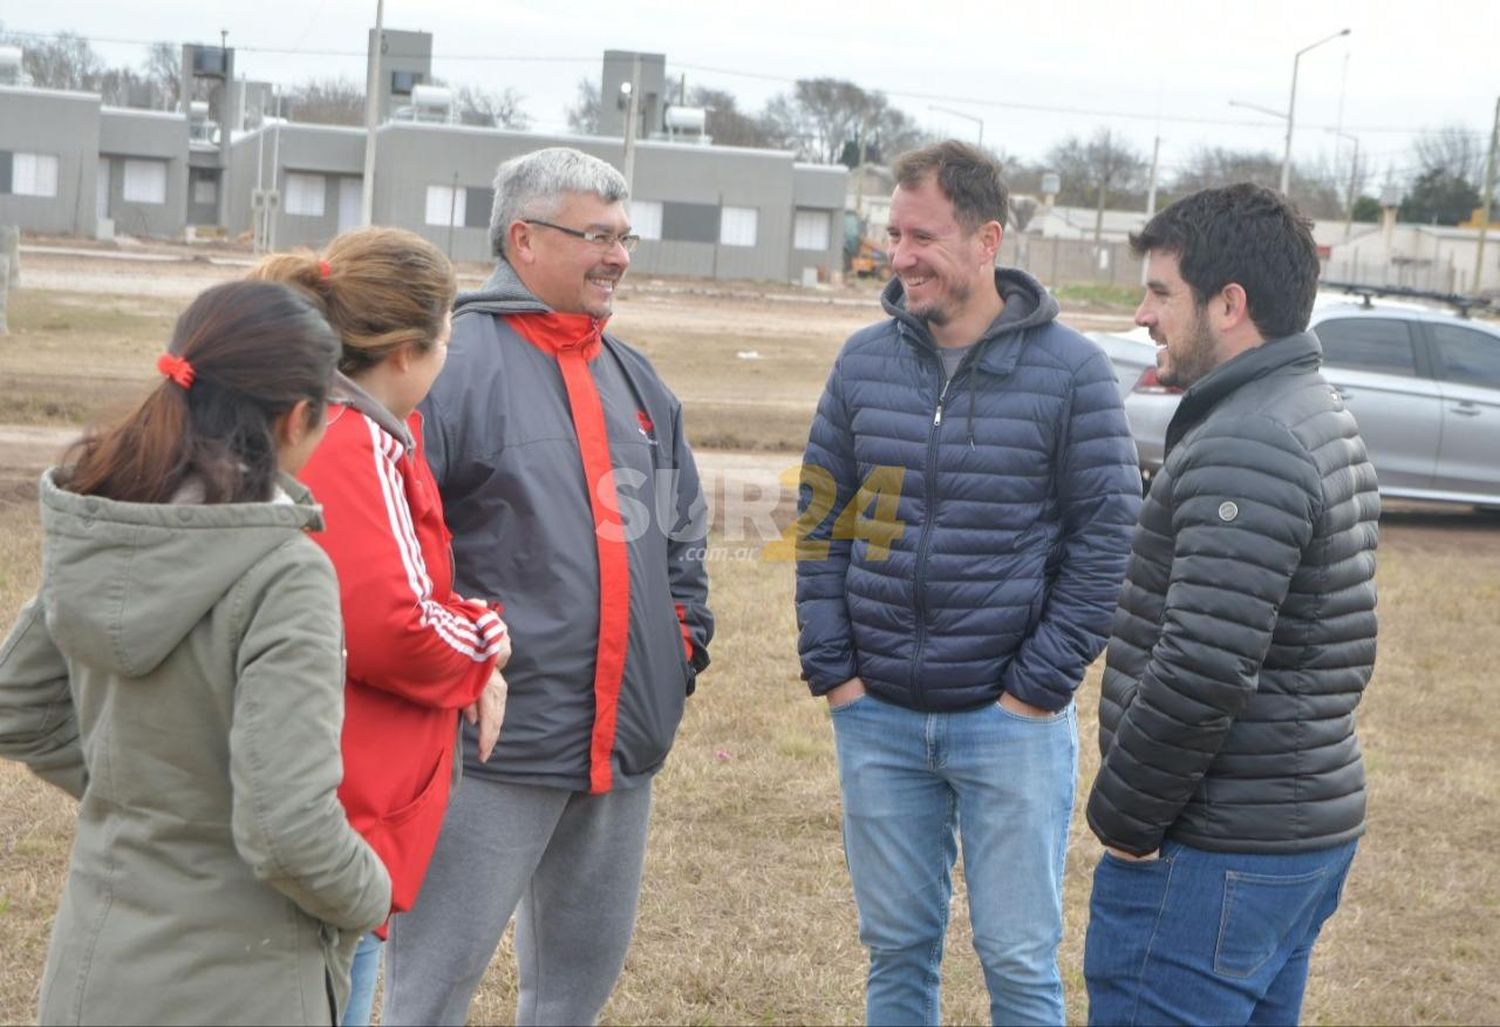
[[746, 914]]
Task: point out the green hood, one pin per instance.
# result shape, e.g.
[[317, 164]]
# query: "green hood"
[[126, 582]]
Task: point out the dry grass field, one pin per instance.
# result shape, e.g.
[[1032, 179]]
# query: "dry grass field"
[[746, 915]]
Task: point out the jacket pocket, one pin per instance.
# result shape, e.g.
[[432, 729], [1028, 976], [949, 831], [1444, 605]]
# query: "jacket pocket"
[[406, 837]]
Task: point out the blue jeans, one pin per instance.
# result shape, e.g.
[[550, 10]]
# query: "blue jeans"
[[914, 786], [362, 982], [1207, 937]]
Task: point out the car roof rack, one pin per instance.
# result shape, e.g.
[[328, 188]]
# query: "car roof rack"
[[1368, 293]]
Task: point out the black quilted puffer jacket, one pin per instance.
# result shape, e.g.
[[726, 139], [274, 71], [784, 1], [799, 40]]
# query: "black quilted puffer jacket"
[[1245, 633]]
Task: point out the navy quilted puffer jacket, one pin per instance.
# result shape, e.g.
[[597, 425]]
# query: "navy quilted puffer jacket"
[[971, 536]]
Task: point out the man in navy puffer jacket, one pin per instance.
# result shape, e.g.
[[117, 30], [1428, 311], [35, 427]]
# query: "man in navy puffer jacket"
[[969, 494]]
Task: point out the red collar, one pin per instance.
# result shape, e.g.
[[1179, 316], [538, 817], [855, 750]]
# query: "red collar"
[[556, 333]]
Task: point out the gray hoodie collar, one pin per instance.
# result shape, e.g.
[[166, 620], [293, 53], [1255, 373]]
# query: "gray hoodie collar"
[[349, 392], [995, 359], [502, 293]]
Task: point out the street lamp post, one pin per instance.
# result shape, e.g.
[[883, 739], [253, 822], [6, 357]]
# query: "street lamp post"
[[961, 114], [630, 95], [1291, 108]]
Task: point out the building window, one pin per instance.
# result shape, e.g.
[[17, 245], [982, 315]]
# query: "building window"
[[689, 222], [145, 181], [205, 191], [478, 201], [445, 205], [33, 174], [810, 231], [645, 218], [305, 194], [737, 226], [459, 206]]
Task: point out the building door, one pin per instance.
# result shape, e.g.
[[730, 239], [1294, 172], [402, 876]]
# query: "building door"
[[351, 203]]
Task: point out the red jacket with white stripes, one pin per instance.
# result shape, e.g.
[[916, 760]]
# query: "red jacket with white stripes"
[[417, 653]]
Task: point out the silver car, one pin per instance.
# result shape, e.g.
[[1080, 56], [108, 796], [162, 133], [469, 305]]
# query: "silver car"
[[1424, 385]]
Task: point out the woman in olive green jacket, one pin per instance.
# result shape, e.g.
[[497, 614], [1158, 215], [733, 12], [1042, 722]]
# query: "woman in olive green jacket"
[[180, 673]]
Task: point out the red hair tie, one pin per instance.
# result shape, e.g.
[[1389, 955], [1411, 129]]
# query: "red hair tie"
[[176, 368], [324, 268]]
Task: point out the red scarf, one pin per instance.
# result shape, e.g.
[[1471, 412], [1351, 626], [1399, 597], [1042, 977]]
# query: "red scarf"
[[574, 340]]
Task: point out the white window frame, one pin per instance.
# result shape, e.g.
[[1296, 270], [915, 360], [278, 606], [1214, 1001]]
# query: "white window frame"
[[305, 194], [446, 205], [33, 174], [145, 181], [645, 218], [812, 230], [738, 226]]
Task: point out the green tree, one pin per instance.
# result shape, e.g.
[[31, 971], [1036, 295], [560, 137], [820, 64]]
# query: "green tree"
[[1438, 197]]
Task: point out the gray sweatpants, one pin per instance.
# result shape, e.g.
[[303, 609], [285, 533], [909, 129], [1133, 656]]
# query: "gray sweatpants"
[[573, 863]]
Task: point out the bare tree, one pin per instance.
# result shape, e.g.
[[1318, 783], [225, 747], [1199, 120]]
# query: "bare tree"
[[832, 121], [1453, 150], [332, 101], [1022, 211], [163, 69], [64, 61], [1318, 189], [583, 115], [1105, 168], [122, 87], [824, 116], [478, 106], [727, 124]]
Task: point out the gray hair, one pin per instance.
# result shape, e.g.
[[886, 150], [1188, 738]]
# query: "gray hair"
[[532, 186]]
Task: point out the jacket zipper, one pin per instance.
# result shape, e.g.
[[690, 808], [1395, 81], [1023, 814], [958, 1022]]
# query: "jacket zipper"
[[929, 485]]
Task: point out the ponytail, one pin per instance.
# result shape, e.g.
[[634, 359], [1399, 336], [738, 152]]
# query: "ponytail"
[[253, 350], [382, 290]]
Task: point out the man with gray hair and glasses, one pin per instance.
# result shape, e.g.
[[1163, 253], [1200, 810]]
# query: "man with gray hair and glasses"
[[573, 500]]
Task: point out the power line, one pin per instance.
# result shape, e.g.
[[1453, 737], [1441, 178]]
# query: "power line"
[[785, 80]]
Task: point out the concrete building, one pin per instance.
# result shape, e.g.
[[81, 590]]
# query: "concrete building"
[[721, 212], [49, 160], [69, 166], [405, 63], [317, 172], [142, 182], [1436, 258]]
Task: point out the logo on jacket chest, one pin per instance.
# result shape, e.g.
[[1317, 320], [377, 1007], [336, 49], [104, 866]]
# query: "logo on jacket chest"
[[645, 426]]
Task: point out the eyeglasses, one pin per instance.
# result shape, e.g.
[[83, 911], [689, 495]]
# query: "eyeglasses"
[[603, 240]]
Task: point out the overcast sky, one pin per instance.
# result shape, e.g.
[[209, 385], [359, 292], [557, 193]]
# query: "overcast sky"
[[1168, 68]]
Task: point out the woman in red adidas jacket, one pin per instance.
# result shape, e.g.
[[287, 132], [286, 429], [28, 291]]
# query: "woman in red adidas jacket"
[[417, 653]]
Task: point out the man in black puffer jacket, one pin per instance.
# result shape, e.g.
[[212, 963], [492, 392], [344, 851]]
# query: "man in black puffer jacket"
[[1231, 793]]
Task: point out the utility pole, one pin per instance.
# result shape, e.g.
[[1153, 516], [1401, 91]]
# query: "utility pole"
[[372, 115], [1489, 199], [632, 106], [1151, 196]]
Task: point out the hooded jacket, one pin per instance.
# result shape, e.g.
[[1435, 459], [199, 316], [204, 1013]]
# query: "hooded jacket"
[[416, 652], [1246, 630], [573, 499], [965, 537], [179, 673]]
